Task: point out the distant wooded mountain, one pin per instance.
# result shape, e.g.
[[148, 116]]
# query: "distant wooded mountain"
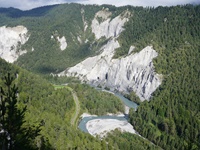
[[62, 36]]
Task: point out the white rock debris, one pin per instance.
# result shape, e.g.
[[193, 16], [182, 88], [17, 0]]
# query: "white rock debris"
[[83, 19], [132, 73], [131, 50], [79, 39], [101, 127], [108, 28], [86, 41], [63, 43], [11, 40]]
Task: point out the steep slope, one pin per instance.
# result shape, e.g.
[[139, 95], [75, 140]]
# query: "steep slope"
[[58, 32], [52, 109], [67, 44], [11, 40], [103, 25], [132, 73], [172, 118], [170, 35]]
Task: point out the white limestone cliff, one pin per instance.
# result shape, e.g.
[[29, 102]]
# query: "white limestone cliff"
[[83, 19], [79, 39], [132, 73], [11, 40], [63, 43], [107, 27]]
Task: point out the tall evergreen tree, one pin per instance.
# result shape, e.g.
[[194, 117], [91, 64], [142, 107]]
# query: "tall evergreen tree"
[[12, 133]]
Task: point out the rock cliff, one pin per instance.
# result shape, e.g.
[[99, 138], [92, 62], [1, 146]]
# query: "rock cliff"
[[11, 40], [135, 72], [132, 73], [103, 25]]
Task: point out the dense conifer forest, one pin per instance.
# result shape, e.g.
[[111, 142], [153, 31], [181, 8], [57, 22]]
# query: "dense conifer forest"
[[48, 113], [170, 120]]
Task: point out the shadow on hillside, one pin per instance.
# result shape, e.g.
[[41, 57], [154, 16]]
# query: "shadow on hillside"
[[17, 13]]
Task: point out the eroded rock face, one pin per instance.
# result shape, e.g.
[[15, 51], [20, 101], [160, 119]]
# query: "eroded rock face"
[[11, 40], [102, 25], [135, 72], [132, 73], [83, 19], [63, 43]]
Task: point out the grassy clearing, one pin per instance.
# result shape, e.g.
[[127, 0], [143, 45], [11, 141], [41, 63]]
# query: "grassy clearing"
[[59, 86]]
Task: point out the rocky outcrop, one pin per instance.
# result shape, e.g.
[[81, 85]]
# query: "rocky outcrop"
[[11, 40], [103, 25], [134, 72], [83, 19], [63, 43]]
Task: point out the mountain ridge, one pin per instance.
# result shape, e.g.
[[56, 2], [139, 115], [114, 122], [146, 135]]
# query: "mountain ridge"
[[103, 27], [171, 118]]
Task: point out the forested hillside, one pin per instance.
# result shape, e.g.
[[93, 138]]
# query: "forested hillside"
[[171, 119], [45, 24], [52, 110]]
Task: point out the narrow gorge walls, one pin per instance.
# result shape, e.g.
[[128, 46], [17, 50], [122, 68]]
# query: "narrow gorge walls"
[[103, 25], [135, 72], [132, 73]]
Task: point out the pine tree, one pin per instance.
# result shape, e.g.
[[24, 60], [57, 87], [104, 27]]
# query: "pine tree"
[[12, 133]]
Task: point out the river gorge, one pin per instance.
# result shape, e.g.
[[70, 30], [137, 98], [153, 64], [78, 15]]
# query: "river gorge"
[[101, 125]]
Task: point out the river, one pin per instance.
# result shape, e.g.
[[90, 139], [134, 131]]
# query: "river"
[[127, 102]]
